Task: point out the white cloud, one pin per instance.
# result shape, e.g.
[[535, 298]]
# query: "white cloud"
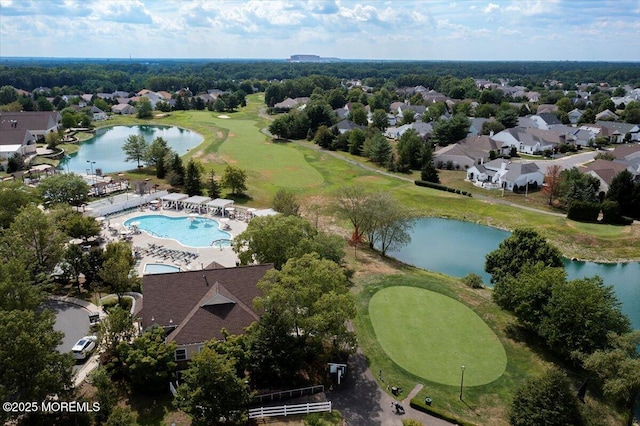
[[491, 7]]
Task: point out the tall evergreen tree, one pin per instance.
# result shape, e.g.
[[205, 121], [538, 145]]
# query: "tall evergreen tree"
[[192, 180]]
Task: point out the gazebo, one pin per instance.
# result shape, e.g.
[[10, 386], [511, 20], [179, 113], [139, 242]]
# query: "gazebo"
[[195, 202], [174, 200], [219, 204]]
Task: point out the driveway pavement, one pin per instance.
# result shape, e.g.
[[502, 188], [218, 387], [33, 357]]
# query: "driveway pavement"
[[362, 402], [566, 162]]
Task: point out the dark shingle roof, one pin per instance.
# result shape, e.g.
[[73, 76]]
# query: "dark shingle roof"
[[200, 303]]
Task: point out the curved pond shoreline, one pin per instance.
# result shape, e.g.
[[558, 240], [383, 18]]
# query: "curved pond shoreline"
[[457, 248], [104, 150]]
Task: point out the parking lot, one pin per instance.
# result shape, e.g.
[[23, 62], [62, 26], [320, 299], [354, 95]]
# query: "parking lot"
[[72, 320]]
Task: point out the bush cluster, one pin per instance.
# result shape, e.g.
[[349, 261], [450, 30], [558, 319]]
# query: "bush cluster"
[[442, 187]]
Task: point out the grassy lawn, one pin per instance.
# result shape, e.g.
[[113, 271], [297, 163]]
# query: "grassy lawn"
[[431, 336], [483, 403]]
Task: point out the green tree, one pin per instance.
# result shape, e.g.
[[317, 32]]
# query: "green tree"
[[149, 361], [106, 393], [491, 126], [235, 179], [8, 94], [564, 104], [588, 116], [16, 287], [34, 239], [116, 268], [323, 137], [428, 172], [446, 132], [580, 315], [524, 246], [358, 114], [377, 148], [356, 140], [135, 148], [212, 186], [577, 186], [279, 128], [545, 400], [73, 263], [409, 149], [276, 356], [621, 190], [211, 390], [380, 120], [63, 188], [157, 151], [42, 370], [617, 368], [507, 117], [286, 202], [192, 178], [144, 108], [117, 327], [176, 176], [527, 294], [13, 196], [73, 223], [312, 296], [121, 416], [389, 224], [351, 203], [275, 239]]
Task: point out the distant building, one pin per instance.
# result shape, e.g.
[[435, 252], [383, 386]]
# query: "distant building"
[[310, 58]]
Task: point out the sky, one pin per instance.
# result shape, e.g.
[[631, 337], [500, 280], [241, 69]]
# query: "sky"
[[575, 30]]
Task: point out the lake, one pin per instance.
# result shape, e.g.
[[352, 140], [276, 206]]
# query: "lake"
[[458, 248], [105, 148]]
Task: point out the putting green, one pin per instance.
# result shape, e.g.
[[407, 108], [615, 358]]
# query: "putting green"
[[432, 336]]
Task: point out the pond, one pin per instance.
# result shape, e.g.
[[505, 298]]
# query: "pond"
[[104, 150], [458, 248]]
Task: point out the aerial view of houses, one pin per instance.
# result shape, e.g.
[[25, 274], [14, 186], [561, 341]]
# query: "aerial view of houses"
[[307, 239]]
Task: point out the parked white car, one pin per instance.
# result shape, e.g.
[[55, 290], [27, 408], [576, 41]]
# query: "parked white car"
[[84, 347]]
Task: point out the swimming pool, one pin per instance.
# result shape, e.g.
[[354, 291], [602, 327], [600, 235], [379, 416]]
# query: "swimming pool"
[[159, 268], [189, 231]]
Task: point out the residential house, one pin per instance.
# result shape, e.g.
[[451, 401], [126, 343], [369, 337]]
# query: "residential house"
[[21, 131], [604, 170], [423, 129], [617, 132], [525, 140], [606, 115], [505, 174], [574, 115], [194, 306], [476, 125], [98, 114], [545, 120], [124, 109], [345, 126], [289, 104], [468, 152], [629, 155], [546, 109]]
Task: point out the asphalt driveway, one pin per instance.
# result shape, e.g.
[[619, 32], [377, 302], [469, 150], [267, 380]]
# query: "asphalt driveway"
[[72, 320]]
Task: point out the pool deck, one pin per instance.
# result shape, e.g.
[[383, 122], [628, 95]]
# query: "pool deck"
[[204, 256]]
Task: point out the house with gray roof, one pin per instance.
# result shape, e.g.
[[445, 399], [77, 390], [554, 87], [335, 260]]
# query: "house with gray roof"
[[617, 132], [124, 109], [470, 151], [574, 115], [21, 131], [505, 174]]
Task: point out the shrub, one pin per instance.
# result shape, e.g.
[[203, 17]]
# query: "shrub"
[[583, 211], [473, 280], [611, 212], [441, 187]]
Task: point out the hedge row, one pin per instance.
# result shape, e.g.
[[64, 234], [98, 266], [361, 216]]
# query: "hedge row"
[[588, 212], [441, 187], [435, 412]]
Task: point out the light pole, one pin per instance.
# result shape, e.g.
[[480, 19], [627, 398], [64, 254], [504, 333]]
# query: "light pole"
[[461, 381], [91, 163]]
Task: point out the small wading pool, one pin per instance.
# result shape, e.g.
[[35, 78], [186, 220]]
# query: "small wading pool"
[[189, 231], [159, 268]]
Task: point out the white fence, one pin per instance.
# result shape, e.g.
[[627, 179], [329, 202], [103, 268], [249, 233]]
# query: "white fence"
[[291, 393], [289, 410]]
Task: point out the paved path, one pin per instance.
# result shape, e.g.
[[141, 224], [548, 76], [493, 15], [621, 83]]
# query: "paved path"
[[362, 402]]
